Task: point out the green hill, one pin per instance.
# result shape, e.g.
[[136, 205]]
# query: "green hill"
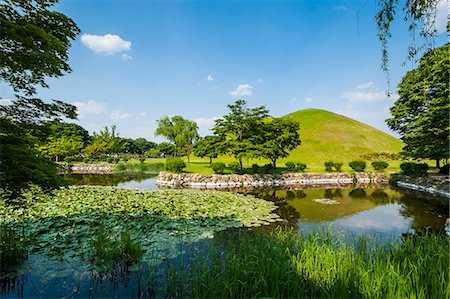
[[329, 136]]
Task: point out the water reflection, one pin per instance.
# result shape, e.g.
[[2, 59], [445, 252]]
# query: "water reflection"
[[356, 210], [134, 180]]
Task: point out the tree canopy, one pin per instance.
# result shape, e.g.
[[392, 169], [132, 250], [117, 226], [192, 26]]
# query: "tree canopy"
[[420, 115], [180, 131]]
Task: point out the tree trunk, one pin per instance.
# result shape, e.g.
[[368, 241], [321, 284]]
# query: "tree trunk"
[[189, 159], [210, 160], [240, 164], [437, 164], [274, 161], [57, 158]]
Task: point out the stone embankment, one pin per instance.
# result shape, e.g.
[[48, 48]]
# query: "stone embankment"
[[217, 181], [90, 168], [435, 186]]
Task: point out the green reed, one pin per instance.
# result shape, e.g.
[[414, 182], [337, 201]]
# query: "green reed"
[[284, 264]]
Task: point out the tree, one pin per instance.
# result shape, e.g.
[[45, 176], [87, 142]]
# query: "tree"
[[420, 14], [34, 44], [168, 149], [143, 145], [106, 141], [57, 129], [209, 146], [181, 132], [62, 146], [420, 115], [240, 132], [280, 137]]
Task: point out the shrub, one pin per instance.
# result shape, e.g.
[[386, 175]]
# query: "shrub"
[[109, 160], [235, 167], [87, 160], [142, 160], [357, 165], [174, 164], [69, 159], [268, 168], [255, 168], [301, 167], [116, 160], [338, 166], [328, 166], [125, 160], [218, 167], [414, 169], [290, 166], [379, 165]]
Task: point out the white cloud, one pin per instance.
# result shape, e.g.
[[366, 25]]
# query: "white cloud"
[[242, 90], [260, 81], [205, 124], [364, 92], [116, 115], [143, 113], [210, 78], [89, 107], [5, 102], [365, 85], [126, 57], [307, 99], [363, 96], [442, 13], [108, 44]]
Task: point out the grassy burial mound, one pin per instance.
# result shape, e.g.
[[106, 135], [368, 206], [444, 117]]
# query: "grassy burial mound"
[[329, 136]]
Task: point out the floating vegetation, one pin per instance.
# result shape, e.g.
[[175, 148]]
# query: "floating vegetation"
[[326, 201], [62, 226]]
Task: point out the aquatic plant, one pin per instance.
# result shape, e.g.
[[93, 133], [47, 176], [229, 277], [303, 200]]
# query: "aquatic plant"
[[12, 247]]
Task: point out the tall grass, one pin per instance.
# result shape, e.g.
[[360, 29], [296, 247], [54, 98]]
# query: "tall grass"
[[284, 264], [13, 249]]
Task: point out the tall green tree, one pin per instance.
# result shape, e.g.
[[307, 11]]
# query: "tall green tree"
[[181, 132], [34, 45], [421, 114], [240, 131], [62, 146], [209, 146], [106, 141], [280, 137], [57, 129]]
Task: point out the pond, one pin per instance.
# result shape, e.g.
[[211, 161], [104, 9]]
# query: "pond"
[[385, 213]]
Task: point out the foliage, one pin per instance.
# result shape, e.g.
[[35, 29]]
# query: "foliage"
[[317, 265], [209, 146], [58, 129], [379, 165], [62, 146], [153, 152], [418, 13], [181, 132], [166, 148], [142, 167], [12, 248], [107, 141], [357, 165], [382, 156], [240, 132], [255, 168], [420, 115], [414, 169], [141, 160], [64, 224], [218, 167], [295, 166], [338, 166], [268, 168], [235, 167], [34, 43], [280, 137], [175, 164], [328, 166], [106, 252]]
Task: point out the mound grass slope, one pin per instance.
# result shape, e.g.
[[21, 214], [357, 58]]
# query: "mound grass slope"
[[329, 136]]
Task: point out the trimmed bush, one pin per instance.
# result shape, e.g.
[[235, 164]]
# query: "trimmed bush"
[[174, 164], [218, 167], [255, 168], [116, 160], [290, 166], [268, 168], [87, 160], [235, 167], [338, 166], [328, 166], [357, 165], [109, 160], [69, 159], [142, 160], [125, 160], [300, 167], [414, 169], [379, 165]]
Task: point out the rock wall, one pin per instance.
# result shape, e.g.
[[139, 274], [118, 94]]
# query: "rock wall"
[[93, 168], [218, 181]]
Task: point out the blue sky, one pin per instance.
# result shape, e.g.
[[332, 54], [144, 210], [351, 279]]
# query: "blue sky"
[[136, 61]]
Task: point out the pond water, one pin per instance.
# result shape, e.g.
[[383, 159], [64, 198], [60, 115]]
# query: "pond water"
[[383, 212]]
